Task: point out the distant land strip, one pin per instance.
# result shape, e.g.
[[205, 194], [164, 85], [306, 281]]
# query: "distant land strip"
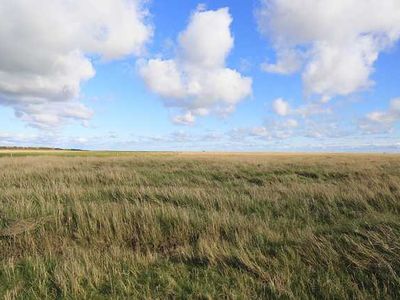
[[37, 148]]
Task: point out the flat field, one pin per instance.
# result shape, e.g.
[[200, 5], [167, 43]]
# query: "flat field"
[[107, 225]]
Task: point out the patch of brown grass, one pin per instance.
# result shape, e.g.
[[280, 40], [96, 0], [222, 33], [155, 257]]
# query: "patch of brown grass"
[[181, 225]]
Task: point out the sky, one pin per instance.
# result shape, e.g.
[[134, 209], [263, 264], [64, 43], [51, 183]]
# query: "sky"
[[184, 75]]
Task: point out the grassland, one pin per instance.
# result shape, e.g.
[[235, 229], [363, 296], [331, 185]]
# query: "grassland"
[[175, 225]]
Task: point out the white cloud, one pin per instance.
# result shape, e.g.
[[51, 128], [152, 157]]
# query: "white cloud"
[[197, 80], [47, 48], [50, 115], [380, 121], [186, 119], [324, 129], [337, 41], [272, 130], [45, 139], [311, 108], [281, 107], [260, 132], [391, 116], [291, 123], [288, 62]]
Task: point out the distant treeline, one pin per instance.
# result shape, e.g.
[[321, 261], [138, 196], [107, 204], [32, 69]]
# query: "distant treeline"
[[36, 148]]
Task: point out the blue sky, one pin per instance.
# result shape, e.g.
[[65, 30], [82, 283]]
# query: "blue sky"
[[140, 76]]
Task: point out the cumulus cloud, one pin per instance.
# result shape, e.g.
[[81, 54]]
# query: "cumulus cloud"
[[47, 48], [288, 62], [49, 115], [334, 43], [380, 121], [281, 107], [197, 80]]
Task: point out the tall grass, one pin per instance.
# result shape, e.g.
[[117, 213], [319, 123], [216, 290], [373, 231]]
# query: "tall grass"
[[200, 225]]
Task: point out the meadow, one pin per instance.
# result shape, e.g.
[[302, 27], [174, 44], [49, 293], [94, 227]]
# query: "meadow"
[[108, 225]]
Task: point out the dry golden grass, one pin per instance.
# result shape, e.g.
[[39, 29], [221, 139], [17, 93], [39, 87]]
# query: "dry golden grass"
[[202, 225]]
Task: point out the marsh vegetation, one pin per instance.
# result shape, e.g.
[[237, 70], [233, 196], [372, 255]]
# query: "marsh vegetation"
[[176, 225]]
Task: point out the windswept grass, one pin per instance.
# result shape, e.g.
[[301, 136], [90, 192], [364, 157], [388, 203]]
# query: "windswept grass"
[[164, 225]]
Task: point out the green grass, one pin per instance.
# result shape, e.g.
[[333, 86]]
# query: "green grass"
[[173, 225]]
